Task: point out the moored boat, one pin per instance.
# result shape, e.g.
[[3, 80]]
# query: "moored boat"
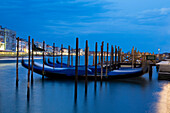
[[69, 73], [63, 73], [58, 64], [164, 70], [125, 73]]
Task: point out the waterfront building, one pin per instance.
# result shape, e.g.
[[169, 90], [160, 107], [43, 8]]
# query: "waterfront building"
[[57, 50], [7, 39], [23, 45], [80, 51], [65, 51], [49, 49], [39, 45]]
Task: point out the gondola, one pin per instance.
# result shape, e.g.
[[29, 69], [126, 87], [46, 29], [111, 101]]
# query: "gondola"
[[61, 73], [125, 73], [69, 73], [58, 64]]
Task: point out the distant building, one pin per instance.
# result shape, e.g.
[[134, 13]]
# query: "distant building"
[[64, 50], [81, 52], [57, 50], [39, 44], [7, 39], [23, 45], [91, 53], [49, 49]]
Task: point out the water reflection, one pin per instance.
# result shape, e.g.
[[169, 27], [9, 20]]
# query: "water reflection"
[[86, 88], [136, 81], [163, 105], [127, 95], [75, 107], [16, 98], [28, 107], [95, 85], [8, 64], [28, 93], [75, 93]]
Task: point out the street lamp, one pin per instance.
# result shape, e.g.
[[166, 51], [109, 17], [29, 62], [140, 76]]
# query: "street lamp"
[[159, 53]]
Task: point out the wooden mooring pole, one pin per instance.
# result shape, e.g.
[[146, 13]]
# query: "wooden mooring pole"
[[113, 62], [32, 68], [88, 56], [95, 66], [99, 57], [17, 62], [115, 56], [68, 61], [48, 60], [102, 61], [132, 56], [107, 58], [43, 58], [104, 56], [121, 56], [57, 60], [28, 85], [53, 55], [135, 55], [111, 58], [118, 56], [93, 58], [150, 71], [76, 69], [72, 57], [86, 66], [61, 55]]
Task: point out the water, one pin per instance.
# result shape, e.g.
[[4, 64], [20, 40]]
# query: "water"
[[137, 95]]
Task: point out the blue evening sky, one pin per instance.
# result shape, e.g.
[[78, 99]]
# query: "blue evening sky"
[[144, 24]]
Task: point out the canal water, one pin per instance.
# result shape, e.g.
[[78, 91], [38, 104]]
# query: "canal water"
[[137, 95]]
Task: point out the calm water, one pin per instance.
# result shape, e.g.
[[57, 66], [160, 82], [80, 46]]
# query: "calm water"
[[137, 95]]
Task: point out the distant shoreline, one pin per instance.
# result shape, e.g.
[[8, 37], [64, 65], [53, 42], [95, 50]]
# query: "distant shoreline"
[[34, 56]]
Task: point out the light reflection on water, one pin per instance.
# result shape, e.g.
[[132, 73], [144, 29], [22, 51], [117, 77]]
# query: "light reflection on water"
[[130, 95], [163, 106]]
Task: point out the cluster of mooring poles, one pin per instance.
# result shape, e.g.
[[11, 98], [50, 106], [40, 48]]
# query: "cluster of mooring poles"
[[117, 58]]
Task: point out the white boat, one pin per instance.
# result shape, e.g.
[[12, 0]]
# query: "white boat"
[[164, 66], [164, 70]]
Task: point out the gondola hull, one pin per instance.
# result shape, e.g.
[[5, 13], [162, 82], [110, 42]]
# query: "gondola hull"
[[69, 73], [58, 64], [60, 73]]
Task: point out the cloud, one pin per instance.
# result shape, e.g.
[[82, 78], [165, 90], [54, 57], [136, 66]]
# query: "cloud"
[[84, 16], [154, 13], [161, 11]]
